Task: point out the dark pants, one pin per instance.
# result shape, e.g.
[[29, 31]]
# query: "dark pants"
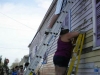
[[61, 61]]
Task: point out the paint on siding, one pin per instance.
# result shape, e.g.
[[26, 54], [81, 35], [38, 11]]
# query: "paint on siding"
[[81, 15]]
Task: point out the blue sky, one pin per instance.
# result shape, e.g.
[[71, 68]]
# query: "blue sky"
[[19, 21]]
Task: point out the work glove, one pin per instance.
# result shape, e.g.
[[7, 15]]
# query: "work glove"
[[82, 32]]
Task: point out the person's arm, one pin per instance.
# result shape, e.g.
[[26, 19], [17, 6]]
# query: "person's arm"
[[72, 35]]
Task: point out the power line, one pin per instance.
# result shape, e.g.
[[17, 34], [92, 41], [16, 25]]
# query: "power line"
[[13, 28], [17, 21]]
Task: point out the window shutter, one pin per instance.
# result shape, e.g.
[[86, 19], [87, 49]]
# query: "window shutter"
[[97, 22]]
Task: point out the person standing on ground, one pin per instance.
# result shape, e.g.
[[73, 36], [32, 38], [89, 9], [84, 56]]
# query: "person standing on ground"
[[21, 70], [15, 71]]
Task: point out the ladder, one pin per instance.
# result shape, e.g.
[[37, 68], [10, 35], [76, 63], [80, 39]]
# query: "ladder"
[[46, 42], [76, 55]]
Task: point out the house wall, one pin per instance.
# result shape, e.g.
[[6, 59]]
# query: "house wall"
[[81, 18]]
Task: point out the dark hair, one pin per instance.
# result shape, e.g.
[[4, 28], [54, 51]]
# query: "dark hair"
[[64, 31], [16, 66], [26, 64], [21, 66]]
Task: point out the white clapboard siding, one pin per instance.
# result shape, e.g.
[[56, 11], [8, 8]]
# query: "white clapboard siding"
[[79, 11], [82, 18], [88, 62]]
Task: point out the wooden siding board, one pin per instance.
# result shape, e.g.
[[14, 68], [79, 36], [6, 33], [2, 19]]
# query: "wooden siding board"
[[87, 73], [89, 31], [51, 64], [88, 44], [89, 39], [87, 50], [50, 60], [83, 23], [52, 52], [79, 4], [48, 66], [91, 54], [98, 64], [80, 17], [90, 59], [54, 47], [90, 34], [50, 57], [82, 20], [86, 70], [86, 65], [75, 15]]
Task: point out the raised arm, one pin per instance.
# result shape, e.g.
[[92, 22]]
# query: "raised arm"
[[71, 35]]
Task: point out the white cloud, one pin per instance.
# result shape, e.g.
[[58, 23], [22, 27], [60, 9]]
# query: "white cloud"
[[15, 23], [12, 54], [7, 7], [44, 3]]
